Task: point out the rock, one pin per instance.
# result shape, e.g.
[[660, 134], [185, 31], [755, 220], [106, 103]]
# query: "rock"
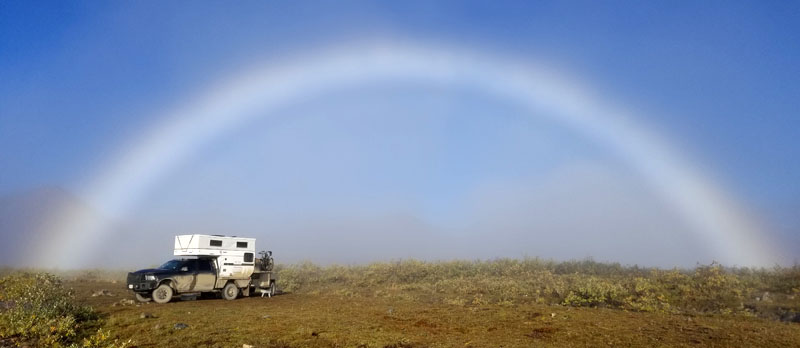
[[124, 302], [156, 326], [265, 316], [146, 315], [247, 346], [766, 297], [552, 315], [102, 292], [181, 326], [791, 317], [6, 304]]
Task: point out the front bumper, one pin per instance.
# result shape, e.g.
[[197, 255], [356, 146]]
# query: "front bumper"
[[136, 282]]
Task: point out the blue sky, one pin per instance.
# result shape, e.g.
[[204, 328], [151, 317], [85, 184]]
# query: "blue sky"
[[81, 80]]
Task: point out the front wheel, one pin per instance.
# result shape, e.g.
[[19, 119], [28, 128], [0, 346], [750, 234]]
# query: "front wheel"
[[143, 297], [162, 294], [230, 291]]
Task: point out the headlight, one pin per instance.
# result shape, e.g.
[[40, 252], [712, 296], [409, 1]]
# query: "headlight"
[[149, 277]]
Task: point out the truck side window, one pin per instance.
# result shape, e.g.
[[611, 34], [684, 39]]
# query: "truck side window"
[[248, 257], [205, 266], [192, 265], [215, 243], [241, 244]]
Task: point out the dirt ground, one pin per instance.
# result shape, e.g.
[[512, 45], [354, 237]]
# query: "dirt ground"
[[330, 320]]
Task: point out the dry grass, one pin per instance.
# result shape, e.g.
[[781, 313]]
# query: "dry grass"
[[331, 320], [508, 303], [507, 282]]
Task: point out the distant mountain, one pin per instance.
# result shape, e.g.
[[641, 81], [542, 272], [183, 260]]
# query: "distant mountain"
[[23, 215]]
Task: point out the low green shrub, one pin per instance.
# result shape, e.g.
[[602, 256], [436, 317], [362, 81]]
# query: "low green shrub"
[[37, 309], [594, 291], [715, 290], [704, 289]]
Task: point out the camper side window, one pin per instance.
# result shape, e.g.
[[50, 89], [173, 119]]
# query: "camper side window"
[[248, 257], [216, 243], [241, 244]]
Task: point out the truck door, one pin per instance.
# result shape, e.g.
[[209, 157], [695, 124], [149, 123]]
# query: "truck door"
[[206, 275], [184, 280]]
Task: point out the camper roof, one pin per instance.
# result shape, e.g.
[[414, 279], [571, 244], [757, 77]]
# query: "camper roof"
[[203, 244]]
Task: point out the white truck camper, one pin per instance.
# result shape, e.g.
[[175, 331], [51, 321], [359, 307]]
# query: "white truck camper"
[[235, 255], [207, 264]]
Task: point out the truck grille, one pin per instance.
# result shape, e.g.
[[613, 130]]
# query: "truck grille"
[[135, 278]]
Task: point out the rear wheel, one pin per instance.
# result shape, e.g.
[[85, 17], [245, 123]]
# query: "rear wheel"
[[230, 291], [143, 297], [271, 289], [162, 294]]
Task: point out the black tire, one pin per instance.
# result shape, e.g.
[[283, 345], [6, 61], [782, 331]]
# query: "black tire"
[[230, 291], [143, 297], [271, 289], [162, 294]]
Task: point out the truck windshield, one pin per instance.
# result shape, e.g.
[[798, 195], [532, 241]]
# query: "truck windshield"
[[171, 265]]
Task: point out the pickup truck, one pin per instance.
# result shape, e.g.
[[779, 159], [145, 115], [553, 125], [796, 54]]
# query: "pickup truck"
[[207, 264], [188, 276]]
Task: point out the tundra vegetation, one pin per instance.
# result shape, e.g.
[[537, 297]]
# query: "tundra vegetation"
[[704, 289], [38, 310], [410, 303]]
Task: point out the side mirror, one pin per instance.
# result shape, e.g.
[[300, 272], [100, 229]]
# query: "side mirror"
[[184, 269]]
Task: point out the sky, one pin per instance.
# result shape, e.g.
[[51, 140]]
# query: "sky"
[[401, 169]]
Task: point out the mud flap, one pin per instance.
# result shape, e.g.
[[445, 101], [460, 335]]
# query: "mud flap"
[[246, 291]]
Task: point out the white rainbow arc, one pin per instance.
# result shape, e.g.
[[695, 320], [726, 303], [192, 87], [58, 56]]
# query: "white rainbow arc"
[[732, 236]]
